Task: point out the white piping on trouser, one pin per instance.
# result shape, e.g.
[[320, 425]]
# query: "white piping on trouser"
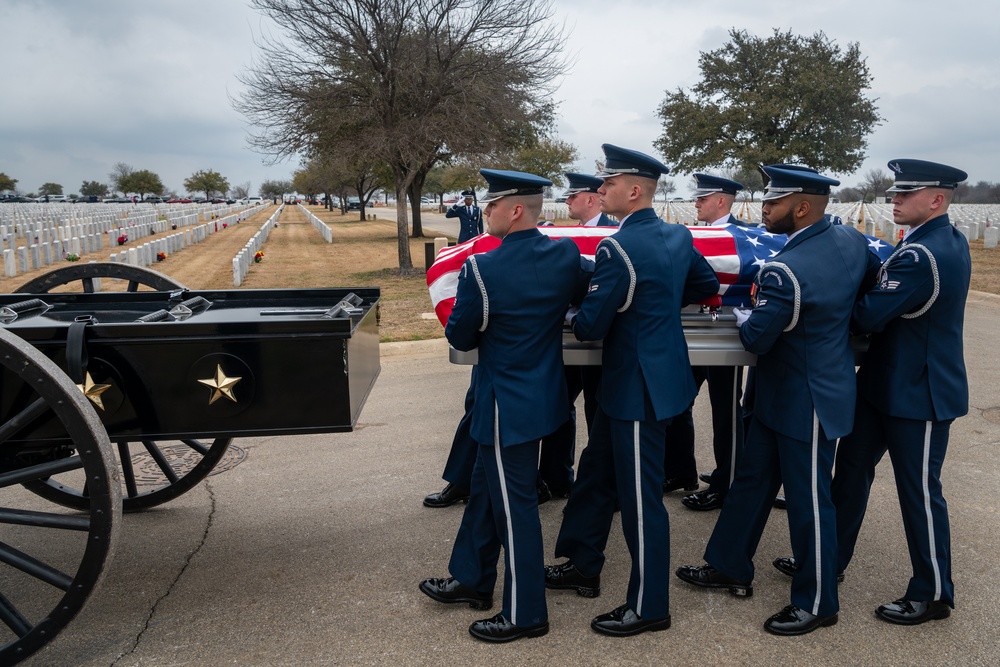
[[732, 440], [506, 512], [815, 502], [639, 518], [925, 485]]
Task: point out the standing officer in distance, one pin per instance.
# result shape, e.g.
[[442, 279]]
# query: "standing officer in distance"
[[645, 273], [714, 199], [799, 329], [911, 386], [558, 449], [510, 304], [470, 217]]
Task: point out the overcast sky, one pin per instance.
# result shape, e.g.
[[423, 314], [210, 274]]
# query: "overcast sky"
[[89, 83]]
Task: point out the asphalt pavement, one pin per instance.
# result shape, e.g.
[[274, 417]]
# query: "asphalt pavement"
[[309, 552]]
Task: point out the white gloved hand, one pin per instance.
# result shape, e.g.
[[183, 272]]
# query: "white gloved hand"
[[742, 315], [570, 314]]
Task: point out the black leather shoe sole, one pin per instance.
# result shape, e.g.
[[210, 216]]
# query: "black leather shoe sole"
[[703, 501], [481, 604], [795, 629], [436, 500], [935, 612], [786, 565], [697, 577], [556, 578], [582, 591], [629, 629], [489, 630], [678, 483]]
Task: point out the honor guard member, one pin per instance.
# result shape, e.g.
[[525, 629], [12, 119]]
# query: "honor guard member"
[[559, 449], [713, 200], [470, 217], [645, 273], [799, 330], [510, 304], [911, 386]]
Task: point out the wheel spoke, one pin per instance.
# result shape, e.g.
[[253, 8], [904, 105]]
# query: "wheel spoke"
[[133, 286], [161, 460], [34, 567], [40, 471], [12, 618], [196, 446], [88, 285], [43, 519], [36, 409], [128, 472]]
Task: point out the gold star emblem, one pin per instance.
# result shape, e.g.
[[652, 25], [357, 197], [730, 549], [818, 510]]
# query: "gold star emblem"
[[222, 385], [93, 391]]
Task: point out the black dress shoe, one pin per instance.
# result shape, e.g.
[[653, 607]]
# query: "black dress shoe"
[[499, 629], [702, 501], [566, 576], [450, 591], [675, 483], [705, 477], [786, 565], [780, 503], [794, 621], [447, 497], [544, 495], [623, 622], [707, 576], [913, 612]]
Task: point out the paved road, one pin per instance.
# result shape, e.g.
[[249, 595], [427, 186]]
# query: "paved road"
[[309, 553]]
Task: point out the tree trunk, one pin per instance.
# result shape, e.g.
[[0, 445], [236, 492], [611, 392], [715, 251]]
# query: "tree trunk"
[[402, 227], [414, 192]]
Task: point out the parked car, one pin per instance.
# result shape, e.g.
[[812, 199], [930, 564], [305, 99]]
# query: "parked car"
[[255, 201], [87, 199], [17, 199], [179, 200], [353, 204], [153, 199]]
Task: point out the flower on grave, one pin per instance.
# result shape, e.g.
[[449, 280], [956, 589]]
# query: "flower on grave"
[[160, 256], [72, 257], [258, 256], [123, 239], [173, 225], [225, 224]]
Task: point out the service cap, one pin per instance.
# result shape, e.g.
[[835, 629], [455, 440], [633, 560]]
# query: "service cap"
[[783, 180], [618, 161], [511, 183], [911, 175]]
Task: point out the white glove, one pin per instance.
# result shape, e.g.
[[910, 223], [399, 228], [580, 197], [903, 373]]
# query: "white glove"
[[742, 315], [570, 314]]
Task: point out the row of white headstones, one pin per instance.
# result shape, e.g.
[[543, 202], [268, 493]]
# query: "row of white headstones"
[[35, 236]]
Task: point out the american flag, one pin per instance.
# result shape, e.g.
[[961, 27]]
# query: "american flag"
[[734, 253]]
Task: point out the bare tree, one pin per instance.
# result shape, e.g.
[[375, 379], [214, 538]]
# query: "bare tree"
[[665, 187], [420, 80], [240, 191], [119, 176], [875, 182]]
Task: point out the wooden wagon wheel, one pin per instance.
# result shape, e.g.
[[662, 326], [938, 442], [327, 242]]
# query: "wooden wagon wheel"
[[136, 276], [159, 479], [50, 560]]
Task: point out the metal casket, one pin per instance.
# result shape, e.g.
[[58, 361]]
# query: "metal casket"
[[203, 363]]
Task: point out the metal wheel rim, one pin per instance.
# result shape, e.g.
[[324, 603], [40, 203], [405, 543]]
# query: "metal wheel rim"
[[61, 397], [137, 276]]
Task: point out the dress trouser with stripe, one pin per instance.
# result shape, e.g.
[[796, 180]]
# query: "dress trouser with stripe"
[[917, 450], [503, 512], [623, 459], [770, 458]]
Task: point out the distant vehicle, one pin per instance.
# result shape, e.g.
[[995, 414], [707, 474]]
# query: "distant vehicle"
[[451, 200], [254, 201], [179, 200], [53, 198], [88, 199], [118, 200], [678, 199], [153, 199], [17, 199], [353, 204], [426, 201], [562, 199]]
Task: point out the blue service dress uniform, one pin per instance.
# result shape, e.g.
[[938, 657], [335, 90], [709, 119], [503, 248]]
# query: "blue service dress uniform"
[[555, 467], [644, 274], [805, 401], [510, 304], [911, 385], [724, 390], [470, 220]]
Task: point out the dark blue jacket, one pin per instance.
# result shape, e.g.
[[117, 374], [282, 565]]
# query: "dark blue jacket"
[[511, 303], [470, 226], [645, 273], [799, 329], [915, 367]]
